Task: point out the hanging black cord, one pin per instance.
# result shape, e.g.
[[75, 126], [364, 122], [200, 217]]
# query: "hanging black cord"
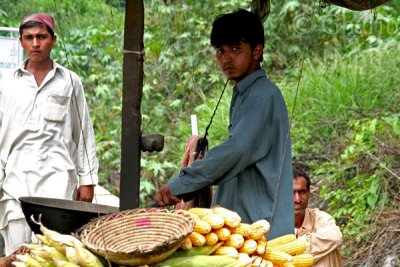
[[202, 144]]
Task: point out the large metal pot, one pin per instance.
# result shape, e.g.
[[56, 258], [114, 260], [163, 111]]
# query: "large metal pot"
[[63, 216]]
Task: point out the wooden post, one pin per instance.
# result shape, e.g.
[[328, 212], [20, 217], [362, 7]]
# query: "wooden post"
[[131, 99]]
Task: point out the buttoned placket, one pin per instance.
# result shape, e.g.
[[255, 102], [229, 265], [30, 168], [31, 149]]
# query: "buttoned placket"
[[234, 105]]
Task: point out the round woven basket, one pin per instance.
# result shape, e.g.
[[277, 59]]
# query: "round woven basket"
[[138, 236]]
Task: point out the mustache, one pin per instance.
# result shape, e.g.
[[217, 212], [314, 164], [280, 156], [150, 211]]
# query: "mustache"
[[228, 66]]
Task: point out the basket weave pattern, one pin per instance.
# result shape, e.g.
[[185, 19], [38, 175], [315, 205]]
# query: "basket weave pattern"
[[138, 236]]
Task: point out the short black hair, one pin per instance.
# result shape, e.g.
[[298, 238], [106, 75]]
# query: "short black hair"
[[30, 24], [297, 172], [239, 26]]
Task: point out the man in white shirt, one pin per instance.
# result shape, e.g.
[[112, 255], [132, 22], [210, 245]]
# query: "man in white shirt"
[[47, 143]]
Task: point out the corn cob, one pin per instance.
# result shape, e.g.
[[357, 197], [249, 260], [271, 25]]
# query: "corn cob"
[[231, 218], [293, 248], [200, 212], [258, 229], [28, 260], [277, 257], [242, 229], [216, 221], [187, 244], [302, 260], [202, 227], [249, 246], [198, 240], [287, 264], [261, 245], [200, 261], [223, 233], [235, 241], [244, 259], [18, 264], [260, 262], [211, 239], [227, 251], [281, 240], [195, 251]]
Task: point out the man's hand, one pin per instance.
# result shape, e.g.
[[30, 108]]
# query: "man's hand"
[[164, 197], [85, 193]]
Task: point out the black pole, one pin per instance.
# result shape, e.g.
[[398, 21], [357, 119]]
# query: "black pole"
[[131, 99]]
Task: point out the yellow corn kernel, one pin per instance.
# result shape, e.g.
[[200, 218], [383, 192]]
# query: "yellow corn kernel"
[[202, 227], [281, 240], [261, 245], [223, 233], [216, 221], [277, 257], [187, 244], [249, 246], [198, 240], [293, 248], [260, 262], [287, 264], [235, 241], [211, 239], [242, 229], [258, 229], [228, 251], [303, 260], [231, 218], [200, 212], [244, 259]]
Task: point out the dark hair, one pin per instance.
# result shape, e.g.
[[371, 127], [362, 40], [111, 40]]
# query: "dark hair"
[[241, 25], [30, 24], [300, 173]]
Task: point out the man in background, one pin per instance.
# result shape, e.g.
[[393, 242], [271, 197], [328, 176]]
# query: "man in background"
[[315, 227]]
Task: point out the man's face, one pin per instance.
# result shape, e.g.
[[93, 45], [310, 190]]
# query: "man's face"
[[301, 195], [37, 43], [238, 61]]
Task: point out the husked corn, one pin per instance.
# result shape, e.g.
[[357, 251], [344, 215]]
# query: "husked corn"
[[216, 221], [258, 229], [303, 260], [235, 241], [231, 218], [228, 251], [261, 245], [249, 246], [293, 248], [260, 262], [244, 259], [223, 233], [187, 244], [242, 229], [202, 227], [211, 239], [277, 257], [198, 240], [200, 212], [281, 240]]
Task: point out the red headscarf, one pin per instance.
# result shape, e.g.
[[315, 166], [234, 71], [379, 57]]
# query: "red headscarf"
[[40, 17]]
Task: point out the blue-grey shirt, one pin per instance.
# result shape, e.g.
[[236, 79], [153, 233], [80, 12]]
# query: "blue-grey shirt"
[[253, 166]]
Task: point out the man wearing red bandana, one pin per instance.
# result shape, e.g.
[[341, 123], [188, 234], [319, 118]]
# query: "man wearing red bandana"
[[47, 143]]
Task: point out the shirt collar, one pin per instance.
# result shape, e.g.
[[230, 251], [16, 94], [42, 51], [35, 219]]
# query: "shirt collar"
[[249, 79], [22, 68]]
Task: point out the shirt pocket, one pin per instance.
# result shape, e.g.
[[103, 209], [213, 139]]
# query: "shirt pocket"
[[56, 108]]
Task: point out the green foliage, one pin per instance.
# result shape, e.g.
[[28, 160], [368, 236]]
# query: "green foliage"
[[359, 182]]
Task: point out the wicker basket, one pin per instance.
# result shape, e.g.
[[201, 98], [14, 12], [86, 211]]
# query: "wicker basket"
[[138, 236]]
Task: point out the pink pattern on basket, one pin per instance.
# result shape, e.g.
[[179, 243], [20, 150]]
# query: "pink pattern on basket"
[[142, 222]]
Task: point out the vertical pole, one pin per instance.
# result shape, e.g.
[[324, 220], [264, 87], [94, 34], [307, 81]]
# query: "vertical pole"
[[131, 99]]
